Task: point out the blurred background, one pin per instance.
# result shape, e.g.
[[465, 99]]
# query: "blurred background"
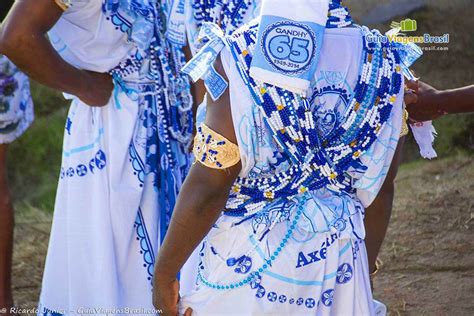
[[428, 256]]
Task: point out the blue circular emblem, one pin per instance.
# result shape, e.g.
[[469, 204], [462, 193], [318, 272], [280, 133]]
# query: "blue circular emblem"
[[289, 47]]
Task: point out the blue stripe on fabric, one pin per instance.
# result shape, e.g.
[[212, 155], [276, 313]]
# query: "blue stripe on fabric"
[[85, 147]]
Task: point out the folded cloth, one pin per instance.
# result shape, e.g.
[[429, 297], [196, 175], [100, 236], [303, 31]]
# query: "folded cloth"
[[425, 133], [290, 36]]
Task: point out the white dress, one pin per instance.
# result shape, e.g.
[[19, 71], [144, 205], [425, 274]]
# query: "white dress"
[[323, 269], [120, 174]]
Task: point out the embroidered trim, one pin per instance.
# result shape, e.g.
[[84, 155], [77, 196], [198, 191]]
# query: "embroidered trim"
[[214, 150], [63, 4], [145, 244]]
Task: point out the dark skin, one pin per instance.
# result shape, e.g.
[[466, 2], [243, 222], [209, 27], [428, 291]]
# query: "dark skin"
[[201, 199], [433, 103], [23, 40], [377, 215]]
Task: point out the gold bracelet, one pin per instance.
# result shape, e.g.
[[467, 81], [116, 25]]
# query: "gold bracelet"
[[63, 4], [213, 150], [405, 130]]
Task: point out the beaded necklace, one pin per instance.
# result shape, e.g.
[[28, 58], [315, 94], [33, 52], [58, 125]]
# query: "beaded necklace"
[[317, 161], [228, 13], [158, 60]]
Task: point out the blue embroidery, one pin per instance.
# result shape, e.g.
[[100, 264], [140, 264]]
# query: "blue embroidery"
[[70, 172], [260, 291], [244, 264], [81, 170], [145, 244], [327, 297], [255, 283], [344, 273], [68, 125], [137, 164], [282, 299], [310, 303], [272, 296], [100, 160]]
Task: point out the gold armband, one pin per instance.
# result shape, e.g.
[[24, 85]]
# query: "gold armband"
[[214, 150], [404, 131], [63, 4]]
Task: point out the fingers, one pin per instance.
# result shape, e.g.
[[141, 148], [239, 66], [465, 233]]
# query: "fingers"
[[410, 98], [188, 312], [412, 85]]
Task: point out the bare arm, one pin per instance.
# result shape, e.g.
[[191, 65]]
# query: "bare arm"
[[23, 40], [377, 215], [200, 202], [433, 103]]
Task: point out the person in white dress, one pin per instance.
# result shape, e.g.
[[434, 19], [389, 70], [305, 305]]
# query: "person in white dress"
[[125, 151], [274, 251]]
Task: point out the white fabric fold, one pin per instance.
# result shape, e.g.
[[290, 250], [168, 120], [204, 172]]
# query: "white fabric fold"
[[425, 133]]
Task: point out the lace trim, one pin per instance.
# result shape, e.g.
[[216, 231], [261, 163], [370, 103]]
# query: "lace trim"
[[214, 150]]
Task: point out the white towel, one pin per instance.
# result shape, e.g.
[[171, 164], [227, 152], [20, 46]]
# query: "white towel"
[[290, 40]]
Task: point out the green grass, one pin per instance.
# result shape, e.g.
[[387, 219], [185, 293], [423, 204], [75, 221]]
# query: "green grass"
[[34, 160]]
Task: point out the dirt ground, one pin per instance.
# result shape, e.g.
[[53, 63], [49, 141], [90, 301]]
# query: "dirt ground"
[[428, 256]]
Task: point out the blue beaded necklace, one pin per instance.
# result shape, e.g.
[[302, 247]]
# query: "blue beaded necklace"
[[158, 60], [228, 13], [317, 161]]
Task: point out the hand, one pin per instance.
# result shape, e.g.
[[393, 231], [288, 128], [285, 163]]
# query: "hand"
[[411, 88], [166, 294], [427, 105], [97, 88]]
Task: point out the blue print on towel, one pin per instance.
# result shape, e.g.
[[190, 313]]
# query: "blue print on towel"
[[289, 47]]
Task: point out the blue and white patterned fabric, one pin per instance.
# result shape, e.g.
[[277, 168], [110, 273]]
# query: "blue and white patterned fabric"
[[229, 14], [16, 105], [304, 255], [122, 164]]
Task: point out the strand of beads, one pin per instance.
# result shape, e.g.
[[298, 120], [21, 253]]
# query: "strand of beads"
[[286, 115], [228, 13], [268, 262]]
